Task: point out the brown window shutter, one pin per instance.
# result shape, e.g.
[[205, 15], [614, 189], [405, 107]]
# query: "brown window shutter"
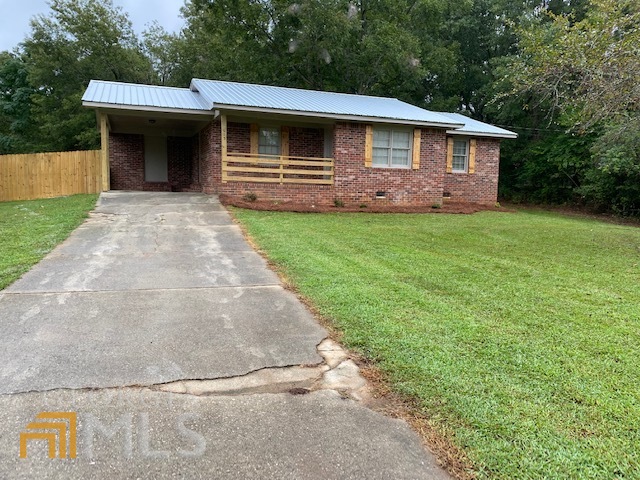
[[284, 141], [255, 132], [472, 155], [449, 155], [415, 164], [368, 146]]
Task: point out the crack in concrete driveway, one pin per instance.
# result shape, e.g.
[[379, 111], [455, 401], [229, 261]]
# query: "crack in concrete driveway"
[[161, 290]]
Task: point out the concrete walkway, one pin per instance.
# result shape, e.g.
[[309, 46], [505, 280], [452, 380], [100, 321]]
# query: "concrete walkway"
[[180, 352]]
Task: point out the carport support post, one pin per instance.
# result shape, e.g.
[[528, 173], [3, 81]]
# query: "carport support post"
[[104, 144]]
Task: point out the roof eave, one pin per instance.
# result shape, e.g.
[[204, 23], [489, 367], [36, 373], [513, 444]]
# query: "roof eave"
[[467, 133], [146, 108], [356, 118]]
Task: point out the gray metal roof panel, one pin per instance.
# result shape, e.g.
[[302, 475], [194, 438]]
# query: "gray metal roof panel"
[[472, 126], [205, 95], [220, 93], [131, 94]]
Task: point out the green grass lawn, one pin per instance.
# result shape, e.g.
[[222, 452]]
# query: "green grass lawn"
[[30, 229], [518, 333]]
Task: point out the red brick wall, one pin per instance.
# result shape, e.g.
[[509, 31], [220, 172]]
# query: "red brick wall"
[[303, 141], [179, 162], [306, 142], [353, 182], [195, 160], [239, 137], [403, 186], [126, 161], [210, 157], [481, 186], [238, 140]]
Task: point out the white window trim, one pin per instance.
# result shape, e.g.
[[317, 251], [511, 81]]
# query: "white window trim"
[[393, 128], [466, 159]]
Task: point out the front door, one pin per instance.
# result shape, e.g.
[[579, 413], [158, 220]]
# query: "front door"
[[155, 159]]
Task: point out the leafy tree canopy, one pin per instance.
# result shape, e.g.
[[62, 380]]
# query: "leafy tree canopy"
[[78, 41], [562, 73]]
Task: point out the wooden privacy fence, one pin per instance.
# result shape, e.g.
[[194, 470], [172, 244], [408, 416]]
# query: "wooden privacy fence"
[[45, 175]]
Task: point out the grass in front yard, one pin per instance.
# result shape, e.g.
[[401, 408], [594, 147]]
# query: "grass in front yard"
[[30, 229], [518, 333]]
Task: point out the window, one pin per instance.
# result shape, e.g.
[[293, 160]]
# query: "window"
[[460, 156], [391, 148], [269, 141]]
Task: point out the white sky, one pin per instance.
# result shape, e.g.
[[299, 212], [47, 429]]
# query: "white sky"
[[15, 16]]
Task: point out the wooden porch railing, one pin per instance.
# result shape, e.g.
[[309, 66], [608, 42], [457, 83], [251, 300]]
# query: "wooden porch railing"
[[260, 168]]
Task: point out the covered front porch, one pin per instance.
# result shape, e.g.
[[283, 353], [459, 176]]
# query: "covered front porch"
[[270, 150], [158, 151]]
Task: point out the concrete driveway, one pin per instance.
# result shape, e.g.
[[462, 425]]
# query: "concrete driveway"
[[179, 351]]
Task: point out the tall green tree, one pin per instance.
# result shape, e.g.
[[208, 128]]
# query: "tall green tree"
[[358, 47], [163, 50], [581, 70], [15, 105], [586, 70], [77, 41]]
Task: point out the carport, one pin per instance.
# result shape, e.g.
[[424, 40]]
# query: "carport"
[[150, 137]]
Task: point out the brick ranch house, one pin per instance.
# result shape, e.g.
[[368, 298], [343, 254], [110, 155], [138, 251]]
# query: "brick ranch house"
[[289, 144]]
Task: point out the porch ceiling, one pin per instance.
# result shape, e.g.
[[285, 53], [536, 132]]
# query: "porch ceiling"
[[151, 123]]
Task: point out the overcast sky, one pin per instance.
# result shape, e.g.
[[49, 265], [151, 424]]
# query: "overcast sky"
[[15, 16]]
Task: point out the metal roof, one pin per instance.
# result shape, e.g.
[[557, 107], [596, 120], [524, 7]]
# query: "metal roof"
[[204, 96], [222, 94], [135, 95], [474, 127]]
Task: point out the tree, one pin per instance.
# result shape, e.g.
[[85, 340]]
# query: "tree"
[[78, 41], [15, 104], [357, 47], [582, 71], [586, 70], [163, 50]]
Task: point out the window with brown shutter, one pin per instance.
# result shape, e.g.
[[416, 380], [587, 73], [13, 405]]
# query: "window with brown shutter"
[[461, 155]]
